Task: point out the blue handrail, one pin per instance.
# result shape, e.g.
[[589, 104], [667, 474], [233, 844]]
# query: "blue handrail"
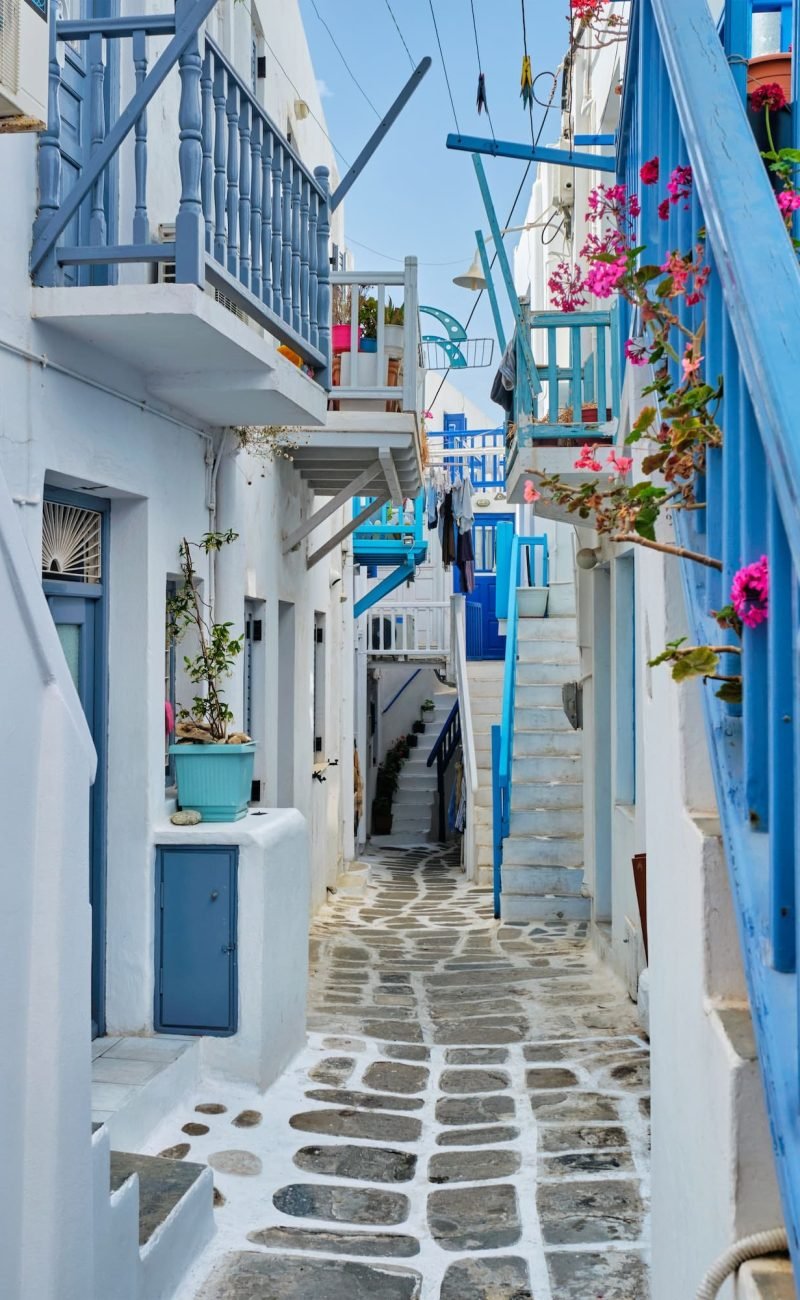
[[510, 549], [684, 103], [397, 694], [447, 743]]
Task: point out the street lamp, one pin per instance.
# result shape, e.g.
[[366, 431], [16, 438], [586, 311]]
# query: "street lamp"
[[474, 278]]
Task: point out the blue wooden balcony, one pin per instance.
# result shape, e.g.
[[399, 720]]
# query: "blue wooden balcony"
[[575, 398], [684, 101], [392, 535]]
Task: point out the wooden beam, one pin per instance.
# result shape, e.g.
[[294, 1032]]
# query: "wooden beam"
[[392, 479], [346, 494], [11, 125], [350, 527]]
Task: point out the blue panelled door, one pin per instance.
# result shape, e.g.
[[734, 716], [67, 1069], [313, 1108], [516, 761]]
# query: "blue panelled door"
[[483, 631], [196, 970]]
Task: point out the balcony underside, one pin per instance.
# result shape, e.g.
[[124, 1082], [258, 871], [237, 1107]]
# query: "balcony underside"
[[332, 457], [190, 352], [528, 462]]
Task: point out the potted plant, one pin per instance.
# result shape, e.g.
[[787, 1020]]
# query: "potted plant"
[[381, 815], [368, 321], [419, 727], [341, 333], [394, 329], [213, 768], [427, 706], [770, 70], [412, 739]]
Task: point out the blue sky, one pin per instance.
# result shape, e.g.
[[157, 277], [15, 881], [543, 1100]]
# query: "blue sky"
[[416, 196]]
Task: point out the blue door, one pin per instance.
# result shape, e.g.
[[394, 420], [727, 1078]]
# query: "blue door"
[[483, 631], [73, 562], [196, 970]]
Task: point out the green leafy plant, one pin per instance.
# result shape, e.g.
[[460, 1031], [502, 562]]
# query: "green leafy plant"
[[218, 648], [393, 315], [368, 317], [427, 706], [701, 661]]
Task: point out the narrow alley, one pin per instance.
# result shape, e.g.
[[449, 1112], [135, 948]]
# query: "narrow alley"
[[469, 1120]]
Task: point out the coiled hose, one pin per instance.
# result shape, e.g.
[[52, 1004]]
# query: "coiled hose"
[[761, 1243]]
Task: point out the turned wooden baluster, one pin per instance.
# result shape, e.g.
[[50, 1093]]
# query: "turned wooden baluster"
[[207, 183], [304, 255], [286, 218], [97, 119], [296, 187], [277, 228], [266, 217], [232, 110], [312, 269], [255, 206], [141, 223], [244, 193], [189, 226], [220, 161], [50, 160], [324, 274]]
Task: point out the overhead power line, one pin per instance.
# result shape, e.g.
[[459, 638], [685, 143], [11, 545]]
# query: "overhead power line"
[[352, 75], [400, 34], [444, 65]]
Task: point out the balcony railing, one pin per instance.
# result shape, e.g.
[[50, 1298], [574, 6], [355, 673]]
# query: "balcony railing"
[[391, 534], [684, 93], [577, 360], [409, 631], [486, 469], [376, 368], [252, 220]]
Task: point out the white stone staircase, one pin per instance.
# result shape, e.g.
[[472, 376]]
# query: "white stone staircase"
[[415, 796], [485, 679], [543, 854]]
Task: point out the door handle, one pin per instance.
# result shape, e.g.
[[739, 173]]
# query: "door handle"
[[214, 895], [228, 947]]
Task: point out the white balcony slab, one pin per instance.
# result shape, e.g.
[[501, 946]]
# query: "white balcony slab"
[[189, 352], [531, 462], [331, 457]]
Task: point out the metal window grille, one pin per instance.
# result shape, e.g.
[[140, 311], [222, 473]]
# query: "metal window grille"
[[71, 541], [9, 44]]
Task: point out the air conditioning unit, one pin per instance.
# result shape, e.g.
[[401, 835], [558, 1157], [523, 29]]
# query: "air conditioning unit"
[[165, 271], [23, 63]]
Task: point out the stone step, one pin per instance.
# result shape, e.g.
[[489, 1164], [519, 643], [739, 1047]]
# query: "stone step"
[[547, 674], [413, 796], [564, 881], [547, 767], [164, 1185], [545, 821], [527, 743], [549, 717], [546, 907], [547, 629], [544, 794], [561, 600], [482, 705], [547, 652], [532, 697], [543, 851]]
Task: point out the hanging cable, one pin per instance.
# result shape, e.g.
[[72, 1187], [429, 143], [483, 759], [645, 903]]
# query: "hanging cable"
[[388, 257], [444, 66], [352, 75], [547, 107], [320, 124], [400, 34], [482, 101]]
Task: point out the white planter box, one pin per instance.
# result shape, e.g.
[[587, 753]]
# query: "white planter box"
[[532, 601]]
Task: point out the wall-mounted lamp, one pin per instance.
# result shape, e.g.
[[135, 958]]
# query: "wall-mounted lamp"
[[301, 110], [587, 558]]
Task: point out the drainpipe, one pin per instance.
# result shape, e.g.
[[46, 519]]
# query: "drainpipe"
[[213, 462], [761, 1243]]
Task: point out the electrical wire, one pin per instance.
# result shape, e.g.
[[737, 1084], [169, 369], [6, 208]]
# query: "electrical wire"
[[508, 220], [458, 261], [400, 34], [444, 65], [480, 65], [352, 75], [321, 126]]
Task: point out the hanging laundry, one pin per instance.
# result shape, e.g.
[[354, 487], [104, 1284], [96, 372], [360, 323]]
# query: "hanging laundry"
[[462, 504], [431, 505], [506, 378], [447, 530], [526, 83], [481, 103], [465, 558]]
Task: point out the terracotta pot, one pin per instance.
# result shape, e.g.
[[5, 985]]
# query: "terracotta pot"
[[765, 69]]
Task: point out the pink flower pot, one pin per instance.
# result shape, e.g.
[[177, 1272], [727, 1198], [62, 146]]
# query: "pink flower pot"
[[341, 337]]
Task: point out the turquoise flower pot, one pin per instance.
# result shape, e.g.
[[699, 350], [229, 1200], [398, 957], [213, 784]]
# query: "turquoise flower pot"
[[214, 780]]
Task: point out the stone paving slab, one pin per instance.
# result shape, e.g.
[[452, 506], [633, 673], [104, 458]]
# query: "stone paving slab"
[[473, 1097]]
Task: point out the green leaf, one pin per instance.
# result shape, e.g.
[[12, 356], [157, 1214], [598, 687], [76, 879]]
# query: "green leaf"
[[730, 692]]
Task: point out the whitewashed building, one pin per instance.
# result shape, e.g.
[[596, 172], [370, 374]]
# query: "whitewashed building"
[[184, 299]]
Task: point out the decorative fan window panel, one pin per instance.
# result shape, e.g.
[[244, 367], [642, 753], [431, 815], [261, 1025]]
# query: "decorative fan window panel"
[[71, 543]]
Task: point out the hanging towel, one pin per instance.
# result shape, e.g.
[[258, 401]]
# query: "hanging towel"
[[462, 505], [465, 558], [430, 505], [447, 532]]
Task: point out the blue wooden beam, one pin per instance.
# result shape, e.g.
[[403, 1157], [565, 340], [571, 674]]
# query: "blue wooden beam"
[[594, 139], [379, 133], [490, 289], [532, 153], [193, 16], [523, 329], [385, 586]]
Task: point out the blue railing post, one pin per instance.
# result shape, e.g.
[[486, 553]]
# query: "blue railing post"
[[244, 193], [503, 540], [255, 206], [220, 160], [141, 223], [50, 159], [323, 273], [232, 192], [497, 822], [189, 225], [266, 217], [97, 118]]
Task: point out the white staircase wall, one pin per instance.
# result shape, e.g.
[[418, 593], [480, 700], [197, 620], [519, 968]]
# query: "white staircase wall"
[[486, 700]]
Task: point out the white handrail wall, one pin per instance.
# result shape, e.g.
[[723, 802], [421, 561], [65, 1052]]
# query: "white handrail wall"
[[458, 647]]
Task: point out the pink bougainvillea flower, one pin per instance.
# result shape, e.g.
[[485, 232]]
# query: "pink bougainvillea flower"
[[588, 459], [679, 268], [636, 353], [530, 494], [567, 288], [788, 201], [663, 210], [750, 592], [621, 464], [587, 9], [679, 185], [770, 96], [649, 172], [604, 277], [169, 717]]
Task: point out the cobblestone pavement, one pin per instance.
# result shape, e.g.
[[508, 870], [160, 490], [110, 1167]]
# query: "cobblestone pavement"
[[469, 1120]]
